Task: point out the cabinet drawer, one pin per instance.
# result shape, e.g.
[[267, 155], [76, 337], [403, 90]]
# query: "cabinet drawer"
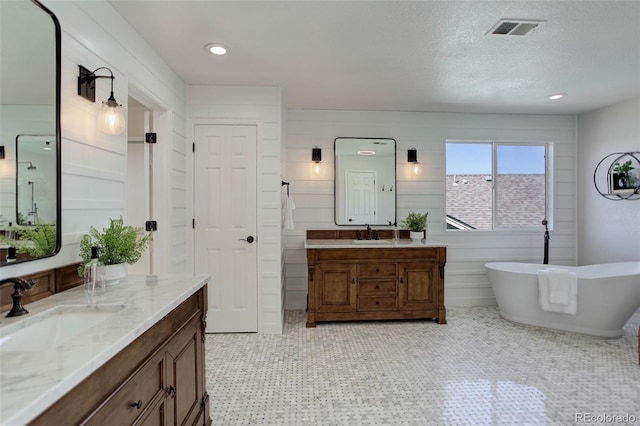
[[372, 303], [144, 386], [374, 270], [376, 287]]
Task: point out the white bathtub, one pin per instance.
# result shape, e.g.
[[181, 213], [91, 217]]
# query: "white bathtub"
[[608, 295]]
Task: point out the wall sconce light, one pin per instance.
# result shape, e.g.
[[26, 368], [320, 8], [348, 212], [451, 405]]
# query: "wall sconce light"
[[2, 154], [412, 157], [111, 119], [316, 157]]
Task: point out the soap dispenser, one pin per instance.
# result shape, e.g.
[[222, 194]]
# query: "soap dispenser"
[[396, 232], [94, 275]]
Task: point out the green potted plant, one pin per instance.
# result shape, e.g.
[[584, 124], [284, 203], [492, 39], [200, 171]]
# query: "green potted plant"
[[417, 224], [118, 245], [626, 178], [37, 241]]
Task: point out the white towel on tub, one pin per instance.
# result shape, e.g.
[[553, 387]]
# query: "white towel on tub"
[[558, 290]]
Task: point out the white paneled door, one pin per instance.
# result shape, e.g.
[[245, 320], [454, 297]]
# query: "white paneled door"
[[225, 224], [361, 196]]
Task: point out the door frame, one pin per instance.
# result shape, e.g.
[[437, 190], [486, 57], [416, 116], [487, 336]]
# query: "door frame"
[[191, 123], [162, 126]]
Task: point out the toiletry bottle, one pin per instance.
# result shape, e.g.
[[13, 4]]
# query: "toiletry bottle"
[[11, 254], [10, 234], [93, 275], [396, 232]]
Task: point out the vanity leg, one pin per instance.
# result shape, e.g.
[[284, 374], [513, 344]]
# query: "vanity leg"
[[311, 320], [442, 315]]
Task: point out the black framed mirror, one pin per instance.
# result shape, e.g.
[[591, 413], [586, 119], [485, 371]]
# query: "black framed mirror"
[[365, 181], [30, 183]]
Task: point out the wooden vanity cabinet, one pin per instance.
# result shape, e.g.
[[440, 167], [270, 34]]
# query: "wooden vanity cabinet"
[[335, 290], [158, 379], [419, 286], [376, 284]]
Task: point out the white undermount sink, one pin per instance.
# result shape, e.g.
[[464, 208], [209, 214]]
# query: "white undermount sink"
[[54, 326], [372, 241]]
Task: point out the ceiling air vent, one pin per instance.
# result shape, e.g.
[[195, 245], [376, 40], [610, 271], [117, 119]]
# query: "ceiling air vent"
[[513, 27]]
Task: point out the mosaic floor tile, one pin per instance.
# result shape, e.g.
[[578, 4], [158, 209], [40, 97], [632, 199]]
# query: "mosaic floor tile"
[[478, 369]]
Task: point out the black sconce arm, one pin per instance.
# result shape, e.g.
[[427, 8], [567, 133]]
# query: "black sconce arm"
[[86, 82]]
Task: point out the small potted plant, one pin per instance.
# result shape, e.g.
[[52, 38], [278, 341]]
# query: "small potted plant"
[[118, 245], [625, 177], [416, 223], [37, 241]]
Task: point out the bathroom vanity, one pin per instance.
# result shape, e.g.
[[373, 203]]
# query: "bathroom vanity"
[[351, 279], [134, 355]]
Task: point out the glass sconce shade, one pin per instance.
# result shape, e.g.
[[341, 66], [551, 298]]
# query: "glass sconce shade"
[[111, 119]]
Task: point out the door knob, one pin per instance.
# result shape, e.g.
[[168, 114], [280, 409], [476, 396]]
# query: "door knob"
[[249, 239]]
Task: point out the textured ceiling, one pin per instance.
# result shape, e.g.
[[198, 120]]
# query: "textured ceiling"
[[404, 55]]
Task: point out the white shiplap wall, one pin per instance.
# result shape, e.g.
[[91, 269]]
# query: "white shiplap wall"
[[94, 164], [466, 280], [261, 106]]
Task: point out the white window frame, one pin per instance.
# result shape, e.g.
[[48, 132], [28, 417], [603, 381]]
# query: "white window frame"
[[548, 182]]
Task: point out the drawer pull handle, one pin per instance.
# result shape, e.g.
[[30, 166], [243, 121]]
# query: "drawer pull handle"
[[377, 270], [353, 280], [401, 280], [172, 391], [138, 404], [377, 287], [377, 303]]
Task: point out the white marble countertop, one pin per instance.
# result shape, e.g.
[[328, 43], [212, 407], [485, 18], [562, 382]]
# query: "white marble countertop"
[[345, 243], [31, 381]]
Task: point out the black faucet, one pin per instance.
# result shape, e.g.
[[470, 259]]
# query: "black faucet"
[[368, 232], [19, 285]]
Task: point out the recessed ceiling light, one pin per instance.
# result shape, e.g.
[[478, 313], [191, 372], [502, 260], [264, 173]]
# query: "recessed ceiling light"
[[216, 49], [556, 96], [366, 152]]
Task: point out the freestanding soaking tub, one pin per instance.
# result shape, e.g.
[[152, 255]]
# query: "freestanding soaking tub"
[[608, 295]]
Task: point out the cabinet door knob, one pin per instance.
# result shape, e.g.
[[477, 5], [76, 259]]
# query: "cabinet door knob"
[[377, 303], [137, 405], [377, 287], [377, 270], [401, 280], [353, 280], [172, 391]]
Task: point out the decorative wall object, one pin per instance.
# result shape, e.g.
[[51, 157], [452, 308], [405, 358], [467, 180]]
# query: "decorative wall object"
[[617, 176]]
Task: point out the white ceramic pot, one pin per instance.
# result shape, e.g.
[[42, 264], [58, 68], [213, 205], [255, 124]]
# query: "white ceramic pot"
[[416, 236], [113, 274]]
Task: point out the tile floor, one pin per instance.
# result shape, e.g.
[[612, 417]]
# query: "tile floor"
[[477, 370]]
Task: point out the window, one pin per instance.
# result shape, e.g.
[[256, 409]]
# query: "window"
[[496, 185]]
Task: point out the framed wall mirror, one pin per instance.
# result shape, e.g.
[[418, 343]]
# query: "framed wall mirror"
[[365, 181], [30, 196]]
